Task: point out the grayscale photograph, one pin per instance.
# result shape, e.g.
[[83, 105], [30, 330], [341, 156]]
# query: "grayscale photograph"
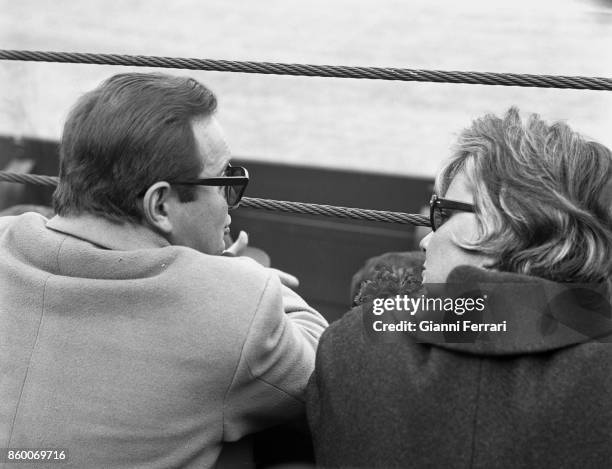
[[296, 235]]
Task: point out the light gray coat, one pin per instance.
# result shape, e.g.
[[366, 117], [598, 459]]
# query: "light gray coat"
[[130, 352]]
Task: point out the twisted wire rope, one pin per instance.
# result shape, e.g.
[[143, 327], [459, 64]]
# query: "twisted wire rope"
[[330, 71], [268, 204]]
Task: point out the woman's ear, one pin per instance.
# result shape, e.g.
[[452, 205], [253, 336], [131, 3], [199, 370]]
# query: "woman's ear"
[[155, 207]]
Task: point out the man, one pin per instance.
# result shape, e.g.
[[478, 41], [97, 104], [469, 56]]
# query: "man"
[[125, 337]]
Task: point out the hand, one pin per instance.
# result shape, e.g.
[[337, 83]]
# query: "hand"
[[239, 246], [286, 279]]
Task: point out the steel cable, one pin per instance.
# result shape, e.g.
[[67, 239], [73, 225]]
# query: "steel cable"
[[268, 204], [330, 71]]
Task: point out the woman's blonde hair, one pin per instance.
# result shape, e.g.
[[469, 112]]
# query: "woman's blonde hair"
[[542, 195]]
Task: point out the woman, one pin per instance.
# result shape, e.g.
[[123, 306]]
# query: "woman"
[[523, 207]]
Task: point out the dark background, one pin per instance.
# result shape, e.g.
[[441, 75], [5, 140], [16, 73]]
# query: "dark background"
[[322, 252]]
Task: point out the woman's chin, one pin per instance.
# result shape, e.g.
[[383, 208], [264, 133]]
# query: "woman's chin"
[[427, 276]]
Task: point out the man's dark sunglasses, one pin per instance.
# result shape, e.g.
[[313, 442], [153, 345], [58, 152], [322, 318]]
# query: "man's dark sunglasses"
[[440, 210], [235, 181]]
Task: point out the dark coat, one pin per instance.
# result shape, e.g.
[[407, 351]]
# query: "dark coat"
[[540, 397]]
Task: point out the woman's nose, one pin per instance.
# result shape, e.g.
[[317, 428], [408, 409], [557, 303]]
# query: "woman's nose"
[[425, 241]]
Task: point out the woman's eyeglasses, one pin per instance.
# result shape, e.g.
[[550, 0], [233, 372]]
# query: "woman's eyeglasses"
[[440, 210], [235, 180]]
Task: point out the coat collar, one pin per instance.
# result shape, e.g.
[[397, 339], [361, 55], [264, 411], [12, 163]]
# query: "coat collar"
[[540, 315], [107, 234]]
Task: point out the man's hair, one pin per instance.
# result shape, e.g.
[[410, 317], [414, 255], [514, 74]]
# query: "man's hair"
[[131, 131], [542, 195]]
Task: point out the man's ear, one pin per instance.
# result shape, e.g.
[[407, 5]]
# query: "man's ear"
[[155, 207]]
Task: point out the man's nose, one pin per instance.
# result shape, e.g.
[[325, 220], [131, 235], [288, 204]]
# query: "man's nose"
[[425, 241]]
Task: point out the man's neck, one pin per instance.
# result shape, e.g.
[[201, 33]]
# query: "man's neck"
[[126, 236]]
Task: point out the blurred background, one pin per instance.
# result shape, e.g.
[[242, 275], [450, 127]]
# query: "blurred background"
[[364, 143]]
